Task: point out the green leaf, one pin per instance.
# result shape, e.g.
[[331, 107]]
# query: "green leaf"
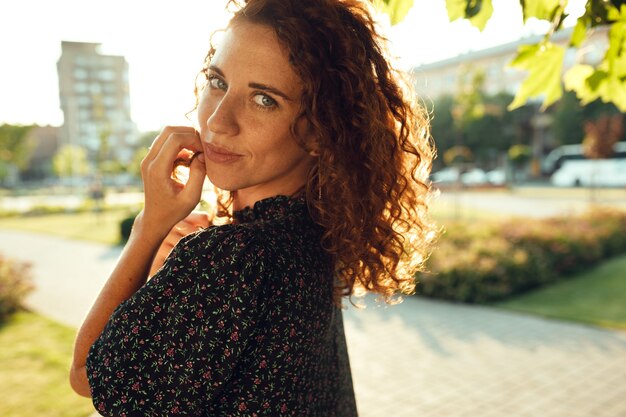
[[540, 9], [396, 9], [456, 9], [478, 12], [595, 80], [544, 63], [480, 19], [616, 53], [615, 14], [580, 32], [615, 92], [576, 80]]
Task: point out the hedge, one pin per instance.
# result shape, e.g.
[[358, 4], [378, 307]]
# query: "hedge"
[[481, 263], [15, 284]]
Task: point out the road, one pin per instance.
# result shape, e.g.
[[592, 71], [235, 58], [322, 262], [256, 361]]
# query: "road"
[[534, 202]]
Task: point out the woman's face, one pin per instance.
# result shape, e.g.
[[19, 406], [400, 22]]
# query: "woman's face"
[[245, 112]]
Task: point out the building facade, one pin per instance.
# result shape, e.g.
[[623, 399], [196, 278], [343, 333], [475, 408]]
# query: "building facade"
[[95, 99], [440, 78]]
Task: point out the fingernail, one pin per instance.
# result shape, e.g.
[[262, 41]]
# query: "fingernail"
[[201, 157]]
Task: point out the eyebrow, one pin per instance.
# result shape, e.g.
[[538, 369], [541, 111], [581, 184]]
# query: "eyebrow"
[[258, 86]]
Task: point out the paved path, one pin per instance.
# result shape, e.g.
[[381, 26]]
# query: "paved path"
[[536, 202], [420, 358]]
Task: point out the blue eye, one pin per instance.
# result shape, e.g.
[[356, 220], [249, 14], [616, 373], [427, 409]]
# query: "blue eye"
[[217, 83], [264, 100]]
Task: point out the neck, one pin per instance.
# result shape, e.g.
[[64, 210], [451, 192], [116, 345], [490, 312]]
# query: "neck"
[[247, 197]]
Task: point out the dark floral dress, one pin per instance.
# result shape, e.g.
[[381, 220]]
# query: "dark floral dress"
[[239, 321]]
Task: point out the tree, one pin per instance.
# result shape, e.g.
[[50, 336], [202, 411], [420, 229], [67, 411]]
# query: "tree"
[[519, 155], [134, 166], [15, 149], [146, 138], [544, 60], [569, 118], [479, 121], [601, 135], [70, 161]]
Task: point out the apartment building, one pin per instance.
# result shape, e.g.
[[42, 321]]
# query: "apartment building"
[[94, 93]]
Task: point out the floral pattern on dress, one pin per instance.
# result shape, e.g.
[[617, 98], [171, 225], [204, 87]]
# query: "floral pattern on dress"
[[239, 321]]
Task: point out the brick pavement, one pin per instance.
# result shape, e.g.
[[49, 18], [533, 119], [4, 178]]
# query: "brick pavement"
[[420, 358], [430, 358]]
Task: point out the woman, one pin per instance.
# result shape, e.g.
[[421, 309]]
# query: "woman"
[[321, 162]]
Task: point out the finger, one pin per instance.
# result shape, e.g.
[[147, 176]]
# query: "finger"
[[164, 161], [197, 174], [158, 142]]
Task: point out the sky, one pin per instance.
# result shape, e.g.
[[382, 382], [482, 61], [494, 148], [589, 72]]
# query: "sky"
[[165, 43]]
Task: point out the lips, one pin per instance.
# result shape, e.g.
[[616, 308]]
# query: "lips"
[[220, 155]]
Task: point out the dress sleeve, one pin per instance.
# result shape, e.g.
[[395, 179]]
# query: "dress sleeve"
[[171, 348]]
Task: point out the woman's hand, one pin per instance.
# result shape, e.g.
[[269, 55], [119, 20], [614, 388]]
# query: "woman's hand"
[[167, 199], [195, 221]]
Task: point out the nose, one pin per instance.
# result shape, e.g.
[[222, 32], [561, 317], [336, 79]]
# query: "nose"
[[223, 120]]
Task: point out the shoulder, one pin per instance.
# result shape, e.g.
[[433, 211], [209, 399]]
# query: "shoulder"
[[226, 255]]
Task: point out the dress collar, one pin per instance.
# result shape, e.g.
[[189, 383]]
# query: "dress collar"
[[270, 208]]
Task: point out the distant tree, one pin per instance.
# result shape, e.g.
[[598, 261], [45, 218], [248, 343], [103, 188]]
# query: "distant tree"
[[519, 155], [15, 149], [489, 134], [146, 138], [70, 161], [442, 128], [569, 118], [103, 154], [134, 167], [458, 155], [601, 135]]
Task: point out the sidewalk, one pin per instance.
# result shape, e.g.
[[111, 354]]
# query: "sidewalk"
[[421, 358]]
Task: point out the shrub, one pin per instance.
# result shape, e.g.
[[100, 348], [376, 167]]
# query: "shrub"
[[476, 263], [15, 284], [126, 225]]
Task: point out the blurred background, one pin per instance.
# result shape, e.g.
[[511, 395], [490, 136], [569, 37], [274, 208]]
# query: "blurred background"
[[522, 310]]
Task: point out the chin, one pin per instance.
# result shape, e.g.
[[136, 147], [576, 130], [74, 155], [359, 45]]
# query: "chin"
[[223, 183]]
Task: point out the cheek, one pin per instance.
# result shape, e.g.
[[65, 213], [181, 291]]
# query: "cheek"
[[205, 110]]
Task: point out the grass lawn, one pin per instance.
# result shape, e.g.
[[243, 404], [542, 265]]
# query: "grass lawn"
[[103, 227], [35, 355], [596, 297]]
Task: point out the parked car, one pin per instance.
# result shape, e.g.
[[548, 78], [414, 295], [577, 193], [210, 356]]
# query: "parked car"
[[598, 173], [474, 176], [445, 176], [496, 176]]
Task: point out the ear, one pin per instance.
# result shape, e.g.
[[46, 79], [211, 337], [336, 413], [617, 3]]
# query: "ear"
[[309, 139]]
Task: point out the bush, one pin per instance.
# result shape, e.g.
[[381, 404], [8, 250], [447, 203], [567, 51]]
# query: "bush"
[[126, 225], [496, 261], [15, 284]]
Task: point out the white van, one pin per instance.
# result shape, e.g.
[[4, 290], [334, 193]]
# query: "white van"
[[555, 159], [589, 172]]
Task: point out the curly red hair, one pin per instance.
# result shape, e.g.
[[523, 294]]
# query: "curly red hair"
[[371, 137]]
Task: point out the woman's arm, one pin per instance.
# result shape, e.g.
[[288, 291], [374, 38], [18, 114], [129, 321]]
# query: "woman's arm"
[[128, 276], [167, 201]]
